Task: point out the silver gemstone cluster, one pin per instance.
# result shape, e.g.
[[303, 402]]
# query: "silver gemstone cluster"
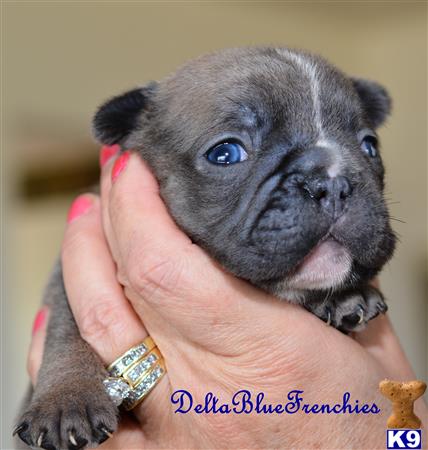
[[117, 389], [128, 359], [135, 373], [144, 387]]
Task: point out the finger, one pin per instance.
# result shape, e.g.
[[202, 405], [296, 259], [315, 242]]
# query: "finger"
[[375, 283], [104, 316], [35, 354], [381, 341]]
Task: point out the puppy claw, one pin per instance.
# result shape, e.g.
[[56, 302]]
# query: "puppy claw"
[[106, 431], [40, 439], [382, 307], [360, 313], [104, 434], [22, 430], [328, 317], [19, 428], [72, 439]]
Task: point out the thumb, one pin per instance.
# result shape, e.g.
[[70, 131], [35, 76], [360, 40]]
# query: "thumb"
[[167, 275]]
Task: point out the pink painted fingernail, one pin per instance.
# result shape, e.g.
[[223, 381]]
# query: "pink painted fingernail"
[[107, 152], [79, 207], [39, 321], [119, 165]]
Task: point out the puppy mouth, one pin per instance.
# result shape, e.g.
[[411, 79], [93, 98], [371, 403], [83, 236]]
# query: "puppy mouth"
[[327, 265]]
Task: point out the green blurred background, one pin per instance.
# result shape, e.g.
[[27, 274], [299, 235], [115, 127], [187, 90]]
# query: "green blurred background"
[[62, 59]]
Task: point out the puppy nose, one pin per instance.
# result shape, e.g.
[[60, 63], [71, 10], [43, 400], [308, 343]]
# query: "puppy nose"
[[331, 193]]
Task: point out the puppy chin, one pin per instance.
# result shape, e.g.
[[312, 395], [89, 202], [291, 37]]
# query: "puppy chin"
[[326, 266]]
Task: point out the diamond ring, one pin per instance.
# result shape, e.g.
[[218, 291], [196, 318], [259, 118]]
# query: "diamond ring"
[[134, 374]]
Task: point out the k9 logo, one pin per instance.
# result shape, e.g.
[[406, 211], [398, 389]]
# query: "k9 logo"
[[403, 439]]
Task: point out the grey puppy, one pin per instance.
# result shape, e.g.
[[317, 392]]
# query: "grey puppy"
[[268, 159]]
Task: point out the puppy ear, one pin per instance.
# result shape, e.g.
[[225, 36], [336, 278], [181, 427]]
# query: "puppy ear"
[[118, 117], [375, 100]]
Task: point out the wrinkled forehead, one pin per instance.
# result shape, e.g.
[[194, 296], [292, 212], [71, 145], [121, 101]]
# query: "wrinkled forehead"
[[264, 90]]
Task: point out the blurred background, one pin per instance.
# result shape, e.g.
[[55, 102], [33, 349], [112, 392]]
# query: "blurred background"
[[62, 59]]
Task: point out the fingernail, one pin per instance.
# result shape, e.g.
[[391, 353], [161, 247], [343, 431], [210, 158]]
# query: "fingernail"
[[39, 321], [119, 165], [79, 207], [107, 152]]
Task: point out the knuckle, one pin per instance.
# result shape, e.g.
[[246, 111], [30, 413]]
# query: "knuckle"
[[156, 275], [100, 321], [120, 201]]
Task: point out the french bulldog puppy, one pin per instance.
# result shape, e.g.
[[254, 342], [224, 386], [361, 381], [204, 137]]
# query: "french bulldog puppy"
[[281, 150]]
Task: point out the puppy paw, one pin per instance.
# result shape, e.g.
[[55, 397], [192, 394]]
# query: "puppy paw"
[[356, 308], [72, 418], [351, 310]]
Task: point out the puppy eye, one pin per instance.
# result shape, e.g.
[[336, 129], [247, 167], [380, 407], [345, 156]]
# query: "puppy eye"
[[226, 153], [369, 145]]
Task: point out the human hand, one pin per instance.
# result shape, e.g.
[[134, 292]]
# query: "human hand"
[[217, 333]]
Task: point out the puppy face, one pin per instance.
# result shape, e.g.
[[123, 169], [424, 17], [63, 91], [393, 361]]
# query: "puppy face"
[[268, 159]]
